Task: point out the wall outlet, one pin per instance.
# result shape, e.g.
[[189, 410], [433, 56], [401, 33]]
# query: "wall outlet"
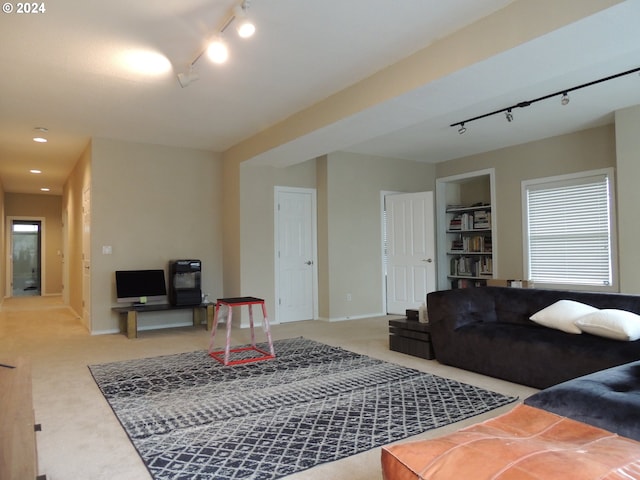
[[348, 297]]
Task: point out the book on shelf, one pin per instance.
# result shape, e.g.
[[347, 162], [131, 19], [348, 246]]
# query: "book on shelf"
[[482, 219], [472, 244], [463, 266], [457, 245]]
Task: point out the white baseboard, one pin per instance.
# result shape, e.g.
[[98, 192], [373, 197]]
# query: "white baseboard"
[[145, 327], [354, 317], [105, 332]]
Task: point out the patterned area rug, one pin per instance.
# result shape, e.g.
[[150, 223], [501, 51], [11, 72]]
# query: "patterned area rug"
[[191, 417]]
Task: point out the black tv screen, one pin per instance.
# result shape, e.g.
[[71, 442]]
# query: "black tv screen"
[[140, 285]]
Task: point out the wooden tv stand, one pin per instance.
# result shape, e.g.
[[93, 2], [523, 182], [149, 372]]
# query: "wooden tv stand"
[[130, 325]]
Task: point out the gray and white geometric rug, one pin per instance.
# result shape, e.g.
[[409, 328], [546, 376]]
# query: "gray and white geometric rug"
[[191, 417]]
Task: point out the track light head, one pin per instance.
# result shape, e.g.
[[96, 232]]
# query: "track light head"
[[565, 98], [185, 79], [217, 51], [245, 27], [462, 129], [509, 116]]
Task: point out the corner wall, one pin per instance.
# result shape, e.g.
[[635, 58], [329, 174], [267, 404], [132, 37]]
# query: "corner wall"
[[257, 229], [627, 175], [353, 233], [72, 207]]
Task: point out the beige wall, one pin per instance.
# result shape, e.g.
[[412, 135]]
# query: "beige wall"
[[628, 173], [79, 178], [352, 240], [230, 189], [48, 207], [257, 223], [585, 150], [150, 204], [3, 265]]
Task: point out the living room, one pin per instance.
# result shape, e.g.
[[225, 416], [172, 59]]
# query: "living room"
[[224, 216], [150, 203]]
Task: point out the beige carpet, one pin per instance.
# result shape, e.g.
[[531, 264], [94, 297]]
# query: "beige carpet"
[[81, 438]]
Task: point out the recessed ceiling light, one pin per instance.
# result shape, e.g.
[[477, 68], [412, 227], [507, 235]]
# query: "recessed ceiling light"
[[45, 189], [40, 139], [34, 170]]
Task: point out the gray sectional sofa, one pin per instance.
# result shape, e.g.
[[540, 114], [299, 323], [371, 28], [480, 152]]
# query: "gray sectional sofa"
[[488, 330], [608, 399]]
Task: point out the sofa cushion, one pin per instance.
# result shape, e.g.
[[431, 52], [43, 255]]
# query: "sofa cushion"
[[562, 315], [524, 444], [532, 355], [608, 399], [611, 323]]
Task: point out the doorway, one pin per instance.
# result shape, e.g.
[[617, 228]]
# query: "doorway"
[[26, 257], [296, 254], [408, 250]]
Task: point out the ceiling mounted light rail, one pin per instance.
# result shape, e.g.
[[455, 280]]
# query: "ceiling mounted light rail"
[[564, 100], [217, 49]]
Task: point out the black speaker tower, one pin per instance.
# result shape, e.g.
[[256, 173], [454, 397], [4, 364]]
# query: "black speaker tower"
[[184, 282]]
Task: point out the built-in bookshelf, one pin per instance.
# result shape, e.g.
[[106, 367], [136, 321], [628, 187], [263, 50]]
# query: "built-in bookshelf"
[[469, 244], [466, 226]]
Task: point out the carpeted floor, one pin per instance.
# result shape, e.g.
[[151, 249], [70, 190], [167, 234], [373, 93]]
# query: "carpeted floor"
[[191, 417]]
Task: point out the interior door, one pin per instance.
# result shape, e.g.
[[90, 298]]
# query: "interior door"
[[86, 257], [296, 274], [410, 250]]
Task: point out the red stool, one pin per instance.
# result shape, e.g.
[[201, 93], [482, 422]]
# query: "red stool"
[[238, 302]]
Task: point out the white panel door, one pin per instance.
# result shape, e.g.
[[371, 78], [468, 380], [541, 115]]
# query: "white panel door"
[[411, 268], [86, 257], [295, 254]]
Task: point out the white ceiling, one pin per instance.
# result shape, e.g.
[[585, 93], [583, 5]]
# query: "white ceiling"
[[63, 69]]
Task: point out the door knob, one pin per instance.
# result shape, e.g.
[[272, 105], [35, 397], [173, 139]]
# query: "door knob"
[[308, 262], [428, 260]]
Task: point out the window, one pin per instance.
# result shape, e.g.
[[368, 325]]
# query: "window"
[[568, 230]]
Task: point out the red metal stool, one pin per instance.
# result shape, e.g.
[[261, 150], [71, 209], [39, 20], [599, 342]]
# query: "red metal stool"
[[238, 302]]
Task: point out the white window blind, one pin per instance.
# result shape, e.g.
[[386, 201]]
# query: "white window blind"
[[569, 231]]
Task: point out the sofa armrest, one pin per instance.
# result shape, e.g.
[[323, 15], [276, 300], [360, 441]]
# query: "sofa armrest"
[[450, 310]]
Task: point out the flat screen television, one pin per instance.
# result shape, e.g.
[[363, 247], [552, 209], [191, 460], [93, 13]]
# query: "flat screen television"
[[140, 286]]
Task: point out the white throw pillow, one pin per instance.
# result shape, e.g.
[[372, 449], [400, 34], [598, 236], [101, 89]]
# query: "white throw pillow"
[[611, 323], [562, 315]]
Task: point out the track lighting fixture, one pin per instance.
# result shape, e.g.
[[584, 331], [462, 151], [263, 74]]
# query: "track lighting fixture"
[[509, 116], [564, 100], [245, 26], [217, 50], [185, 79]]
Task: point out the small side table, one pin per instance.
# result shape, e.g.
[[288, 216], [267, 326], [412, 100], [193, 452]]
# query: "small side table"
[[223, 356], [411, 337]]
